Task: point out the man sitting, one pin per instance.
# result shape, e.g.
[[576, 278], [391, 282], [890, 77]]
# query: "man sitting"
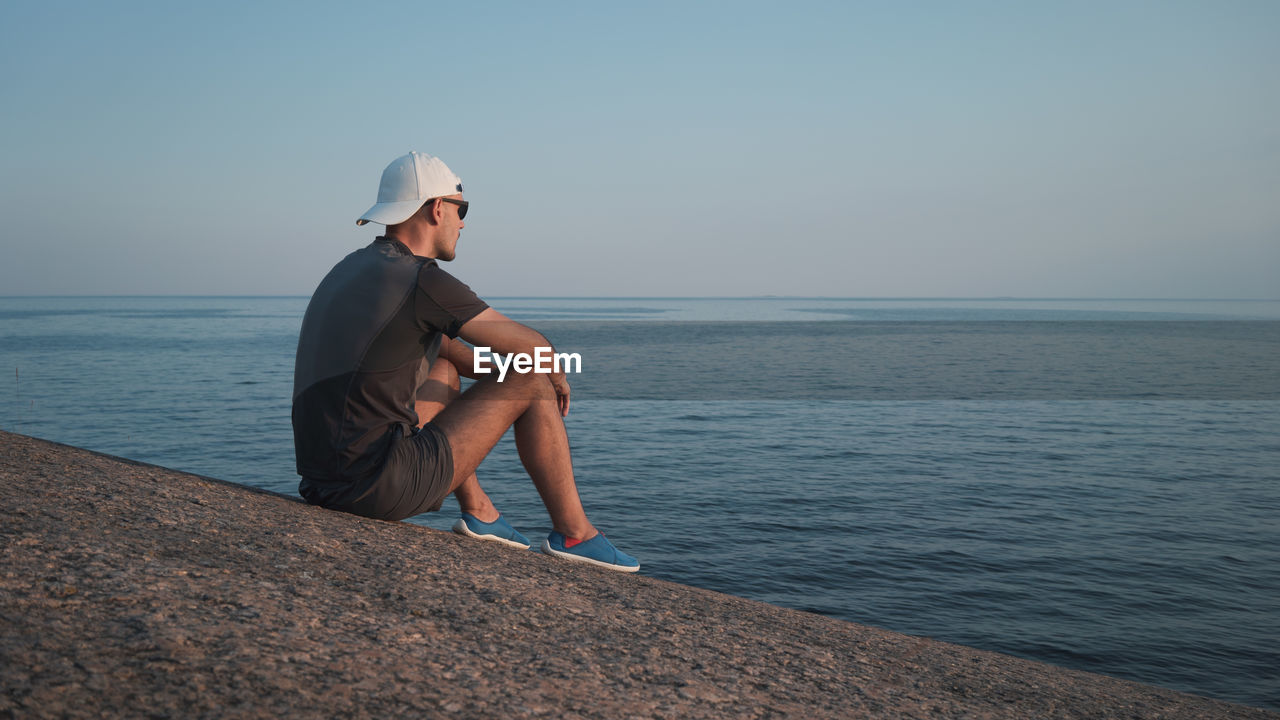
[[380, 427]]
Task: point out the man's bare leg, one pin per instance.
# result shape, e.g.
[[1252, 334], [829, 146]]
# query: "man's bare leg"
[[473, 500], [442, 387], [477, 419]]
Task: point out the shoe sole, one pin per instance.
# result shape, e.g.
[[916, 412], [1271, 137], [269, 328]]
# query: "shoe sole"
[[461, 528], [546, 548]]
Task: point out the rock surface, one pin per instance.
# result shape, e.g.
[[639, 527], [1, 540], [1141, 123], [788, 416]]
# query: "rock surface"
[[131, 590]]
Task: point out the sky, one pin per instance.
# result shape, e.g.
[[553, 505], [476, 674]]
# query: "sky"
[[928, 149]]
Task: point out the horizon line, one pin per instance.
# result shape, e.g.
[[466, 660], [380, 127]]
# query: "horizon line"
[[999, 298]]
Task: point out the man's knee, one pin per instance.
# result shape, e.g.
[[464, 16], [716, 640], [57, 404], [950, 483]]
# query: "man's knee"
[[533, 385], [538, 385], [444, 375], [455, 380], [440, 389]]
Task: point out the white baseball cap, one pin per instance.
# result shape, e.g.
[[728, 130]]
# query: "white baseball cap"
[[408, 182]]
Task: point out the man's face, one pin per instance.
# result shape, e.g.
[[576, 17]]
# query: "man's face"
[[450, 228]]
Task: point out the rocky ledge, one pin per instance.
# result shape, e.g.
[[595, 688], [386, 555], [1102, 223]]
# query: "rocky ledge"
[[131, 590]]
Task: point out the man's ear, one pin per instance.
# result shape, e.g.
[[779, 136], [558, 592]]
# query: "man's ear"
[[429, 210]]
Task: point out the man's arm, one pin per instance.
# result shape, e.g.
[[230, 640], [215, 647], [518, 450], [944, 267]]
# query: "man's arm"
[[501, 334]]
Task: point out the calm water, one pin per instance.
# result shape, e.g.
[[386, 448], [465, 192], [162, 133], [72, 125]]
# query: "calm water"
[[1094, 484]]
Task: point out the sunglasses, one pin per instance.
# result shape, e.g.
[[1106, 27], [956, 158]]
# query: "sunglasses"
[[462, 206]]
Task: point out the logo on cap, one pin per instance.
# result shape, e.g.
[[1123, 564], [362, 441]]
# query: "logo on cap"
[[459, 187]]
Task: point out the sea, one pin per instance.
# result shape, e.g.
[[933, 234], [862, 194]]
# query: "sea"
[[1089, 483]]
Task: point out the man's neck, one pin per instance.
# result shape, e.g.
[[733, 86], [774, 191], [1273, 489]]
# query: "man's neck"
[[419, 243]]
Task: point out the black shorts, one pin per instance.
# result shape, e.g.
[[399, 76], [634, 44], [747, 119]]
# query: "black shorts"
[[414, 479]]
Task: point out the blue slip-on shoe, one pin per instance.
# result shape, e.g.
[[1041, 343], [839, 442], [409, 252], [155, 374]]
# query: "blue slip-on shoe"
[[498, 531], [597, 551]]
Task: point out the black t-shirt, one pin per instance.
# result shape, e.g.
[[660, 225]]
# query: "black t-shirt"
[[369, 336]]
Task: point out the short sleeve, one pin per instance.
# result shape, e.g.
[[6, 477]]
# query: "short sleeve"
[[445, 303]]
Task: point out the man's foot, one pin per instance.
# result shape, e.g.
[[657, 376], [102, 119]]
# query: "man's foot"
[[597, 551], [499, 530]]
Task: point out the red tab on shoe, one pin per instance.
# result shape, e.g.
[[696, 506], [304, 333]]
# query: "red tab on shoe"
[[570, 542]]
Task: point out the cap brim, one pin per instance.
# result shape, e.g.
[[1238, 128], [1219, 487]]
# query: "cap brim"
[[392, 213]]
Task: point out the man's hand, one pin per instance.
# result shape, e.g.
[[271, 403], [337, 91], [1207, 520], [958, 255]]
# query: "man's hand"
[[561, 384]]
